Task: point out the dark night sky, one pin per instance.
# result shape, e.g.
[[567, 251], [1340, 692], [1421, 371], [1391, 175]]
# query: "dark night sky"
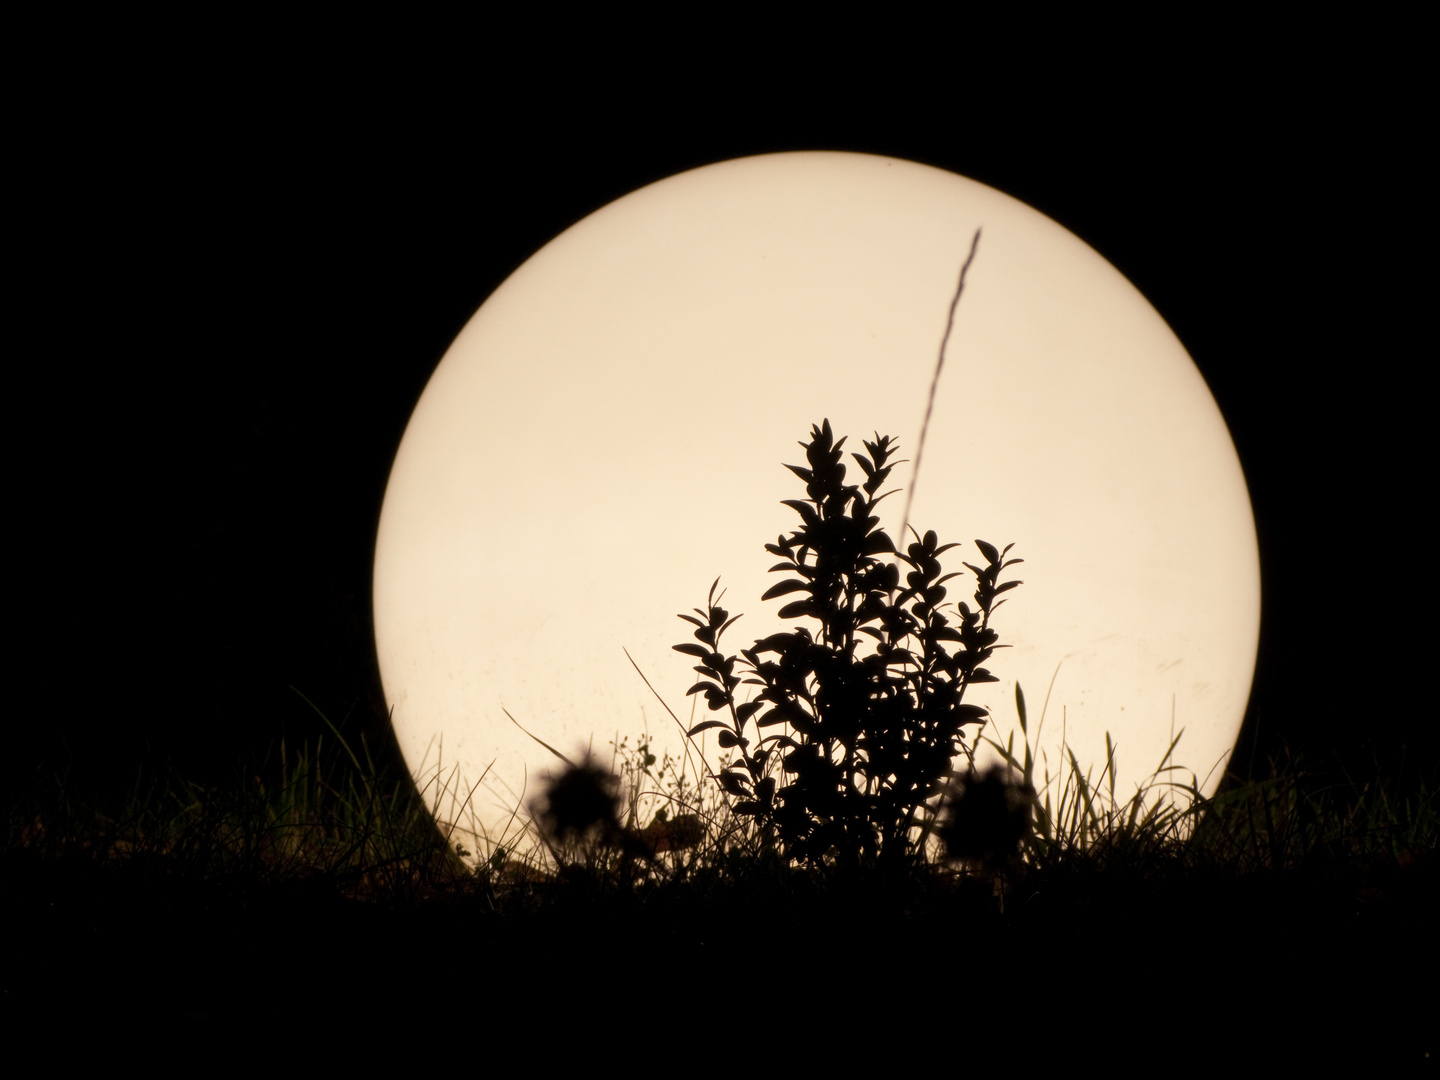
[[238, 289]]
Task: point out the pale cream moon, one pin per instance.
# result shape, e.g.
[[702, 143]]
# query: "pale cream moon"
[[606, 437]]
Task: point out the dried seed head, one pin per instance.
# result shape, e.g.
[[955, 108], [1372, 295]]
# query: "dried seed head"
[[583, 801], [987, 815]]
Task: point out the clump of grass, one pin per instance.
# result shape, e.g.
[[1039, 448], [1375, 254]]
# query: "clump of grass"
[[1292, 820], [1078, 815], [320, 812], [1297, 817]]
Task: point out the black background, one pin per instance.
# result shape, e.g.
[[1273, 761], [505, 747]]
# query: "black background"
[[240, 270]]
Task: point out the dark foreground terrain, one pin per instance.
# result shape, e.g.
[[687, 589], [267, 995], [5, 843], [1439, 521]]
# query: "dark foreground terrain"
[[1332, 959]]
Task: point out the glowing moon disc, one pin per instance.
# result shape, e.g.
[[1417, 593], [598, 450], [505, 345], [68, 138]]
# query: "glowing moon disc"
[[606, 436]]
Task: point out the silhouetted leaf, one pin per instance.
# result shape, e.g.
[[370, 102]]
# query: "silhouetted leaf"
[[805, 510], [787, 586], [877, 544], [773, 643], [705, 726], [692, 650], [733, 784], [797, 609], [988, 550], [802, 722]]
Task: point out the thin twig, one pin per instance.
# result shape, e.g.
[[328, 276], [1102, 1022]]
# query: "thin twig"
[[935, 383]]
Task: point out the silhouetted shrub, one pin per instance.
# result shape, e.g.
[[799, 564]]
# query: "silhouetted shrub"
[[865, 715]]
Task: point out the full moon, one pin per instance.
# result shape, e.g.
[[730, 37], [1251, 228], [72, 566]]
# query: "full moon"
[[608, 435]]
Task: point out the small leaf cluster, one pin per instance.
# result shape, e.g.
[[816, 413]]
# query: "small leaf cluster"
[[849, 741]]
